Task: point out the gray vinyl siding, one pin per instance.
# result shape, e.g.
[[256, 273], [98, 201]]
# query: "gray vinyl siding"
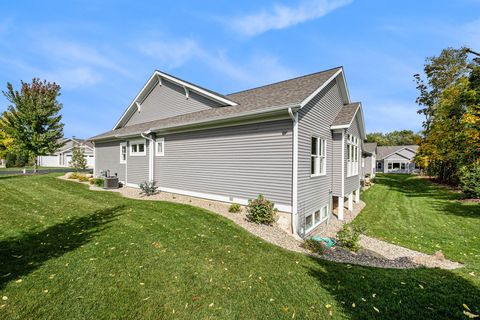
[[352, 183], [137, 166], [169, 100], [314, 120], [407, 153], [240, 161], [107, 157], [337, 164]]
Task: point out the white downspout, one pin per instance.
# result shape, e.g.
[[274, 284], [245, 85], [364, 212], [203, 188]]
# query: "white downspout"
[[294, 117], [151, 154]]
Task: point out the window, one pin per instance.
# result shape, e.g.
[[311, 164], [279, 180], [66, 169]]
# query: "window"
[[352, 155], [160, 147], [318, 161], [390, 166], [314, 219], [396, 165], [137, 148], [123, 152], [402, 166], [379, 166]]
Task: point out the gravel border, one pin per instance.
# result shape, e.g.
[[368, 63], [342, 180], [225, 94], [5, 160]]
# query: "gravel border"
[[374, 252]]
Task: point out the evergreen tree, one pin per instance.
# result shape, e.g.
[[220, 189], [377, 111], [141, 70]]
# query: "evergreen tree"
[[78, 161]]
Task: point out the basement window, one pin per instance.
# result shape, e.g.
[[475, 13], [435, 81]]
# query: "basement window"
[[316, 218]]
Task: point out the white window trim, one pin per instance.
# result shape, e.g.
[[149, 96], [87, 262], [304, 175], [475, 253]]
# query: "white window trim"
[[138, 154], [157, 142], [123, 144], [321, 171], [352, 166], [314, 225]]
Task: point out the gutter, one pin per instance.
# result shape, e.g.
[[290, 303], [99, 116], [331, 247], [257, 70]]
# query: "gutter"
[[294, 117]]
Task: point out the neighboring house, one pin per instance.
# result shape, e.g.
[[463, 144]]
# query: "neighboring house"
[[63, 156], [396, 159], [369, 157], [297, 142]]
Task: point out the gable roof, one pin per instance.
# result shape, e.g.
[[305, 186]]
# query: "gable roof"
[[261, 100], [347, 115], [156, 78], [385, 151]]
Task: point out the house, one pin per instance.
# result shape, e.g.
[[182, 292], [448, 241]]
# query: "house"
[[296, 141], [369, 156], [63, 156], [396, 159]]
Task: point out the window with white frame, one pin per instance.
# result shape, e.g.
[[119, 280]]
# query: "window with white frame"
[[318, 158], [390, 166], [379, 165], [123, 152], [160, 147], [352, 155], [137, 148], [314, 219]]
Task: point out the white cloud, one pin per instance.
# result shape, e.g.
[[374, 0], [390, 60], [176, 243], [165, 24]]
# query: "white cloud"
[[72, 78], [172, 53], [257, 69], [281, 16]]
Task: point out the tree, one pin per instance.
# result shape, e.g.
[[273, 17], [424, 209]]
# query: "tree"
[[449, 99], [6, 142], [78, 161], [394, 138], [33, 118]]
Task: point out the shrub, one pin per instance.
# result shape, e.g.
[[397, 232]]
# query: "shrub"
[[349, 236], [261, 210], [234, 208], [470, 180], [148, 188], [73, 175], [315, 246], [99, 182], [83, 178], [78, 161]]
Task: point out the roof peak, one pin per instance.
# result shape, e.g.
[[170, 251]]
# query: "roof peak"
[[282, 81]]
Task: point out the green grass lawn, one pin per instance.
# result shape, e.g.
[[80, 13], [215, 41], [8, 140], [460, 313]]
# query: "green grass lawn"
[[418, 214], [70, 253], [29, 168]]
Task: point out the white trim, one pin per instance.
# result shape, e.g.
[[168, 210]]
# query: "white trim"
[[158, 75], [94, 160], [137, 141], [343, 165], [362, 122], [123, 144], [294, 172], [319, 156], [314, 225], [310, 97], [397, 152], [242, 201], [160, 140], [139, 106]]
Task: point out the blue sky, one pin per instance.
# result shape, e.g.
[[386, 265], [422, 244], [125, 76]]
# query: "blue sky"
[[102, 53]]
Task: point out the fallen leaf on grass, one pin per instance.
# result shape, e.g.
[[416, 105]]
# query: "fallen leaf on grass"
[[470, 315], [353, 305], [421, 287], [376, 309], [210, 305], [4, 298], [45, 291], [18, 281]]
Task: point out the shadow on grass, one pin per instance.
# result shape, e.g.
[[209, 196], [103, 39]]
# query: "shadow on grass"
[[397, 294], [21, 255], [446, 200]]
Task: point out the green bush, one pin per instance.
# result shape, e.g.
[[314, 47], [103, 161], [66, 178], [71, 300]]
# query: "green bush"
[[148, 188], [470, 180], [315, 246], [99, 182], [234, 208], [349, 235], [83, 178], [261, 211], [73, 175]]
